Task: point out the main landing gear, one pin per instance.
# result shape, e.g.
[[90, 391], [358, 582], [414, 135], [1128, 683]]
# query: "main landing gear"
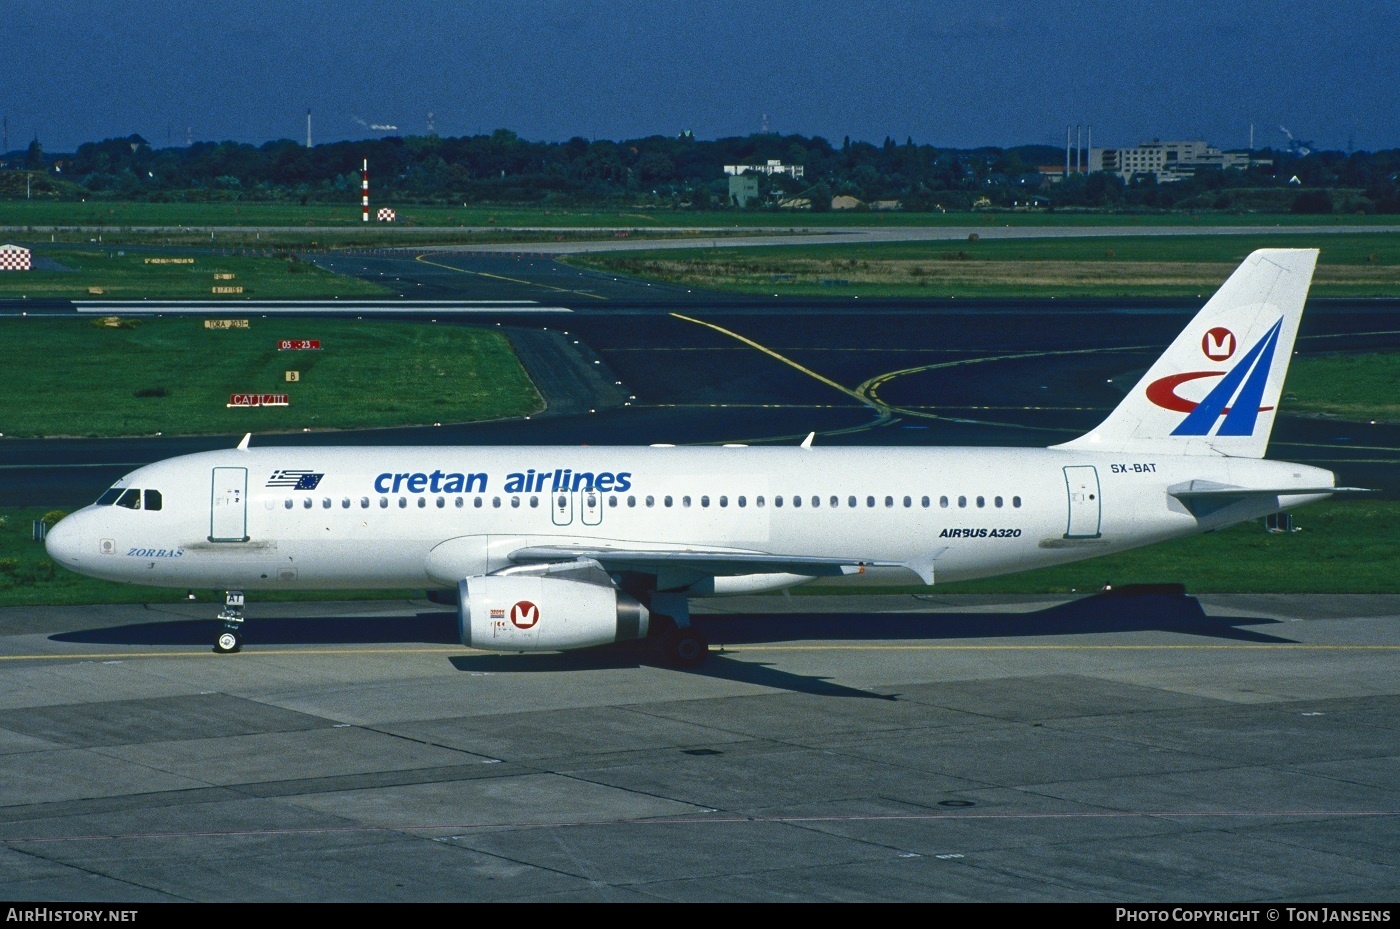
[[681, 645], [230, 636], [684, 647]]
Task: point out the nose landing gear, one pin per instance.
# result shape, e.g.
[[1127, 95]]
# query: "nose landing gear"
[[230, 636]]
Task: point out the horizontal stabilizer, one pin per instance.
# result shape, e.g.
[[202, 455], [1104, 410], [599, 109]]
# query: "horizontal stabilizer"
[[1209, 489]]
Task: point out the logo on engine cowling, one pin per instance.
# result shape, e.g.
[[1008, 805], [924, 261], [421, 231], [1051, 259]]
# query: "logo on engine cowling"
[[524, 615]]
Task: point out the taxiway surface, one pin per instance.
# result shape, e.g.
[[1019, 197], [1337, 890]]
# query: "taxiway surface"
[[1133, 749]]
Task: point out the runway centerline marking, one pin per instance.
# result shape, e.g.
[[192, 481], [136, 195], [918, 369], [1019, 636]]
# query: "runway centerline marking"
[[502, 277]]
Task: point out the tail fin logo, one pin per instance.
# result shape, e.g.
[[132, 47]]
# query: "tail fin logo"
[[1236, 397], [1218, 344]]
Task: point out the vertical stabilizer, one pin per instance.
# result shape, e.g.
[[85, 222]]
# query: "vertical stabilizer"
[[1216, 390]]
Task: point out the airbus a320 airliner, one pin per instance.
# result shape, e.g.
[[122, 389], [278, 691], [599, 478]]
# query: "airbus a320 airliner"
[[559, 547]]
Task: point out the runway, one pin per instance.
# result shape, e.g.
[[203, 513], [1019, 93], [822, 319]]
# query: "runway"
[[1157, 748], [691, 368]]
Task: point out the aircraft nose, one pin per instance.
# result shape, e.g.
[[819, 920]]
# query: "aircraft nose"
[[63, 542]]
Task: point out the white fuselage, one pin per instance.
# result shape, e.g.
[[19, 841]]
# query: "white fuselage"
[[426, 517]]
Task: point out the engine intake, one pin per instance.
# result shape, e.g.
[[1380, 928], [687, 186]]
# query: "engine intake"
[[514, 613]]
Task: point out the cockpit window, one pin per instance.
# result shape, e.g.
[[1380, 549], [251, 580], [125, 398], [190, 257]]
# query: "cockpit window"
[[153, 499], [108, 498], [131, 499]]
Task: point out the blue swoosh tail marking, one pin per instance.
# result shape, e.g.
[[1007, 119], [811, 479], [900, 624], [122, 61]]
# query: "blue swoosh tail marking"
[[1244, 413]]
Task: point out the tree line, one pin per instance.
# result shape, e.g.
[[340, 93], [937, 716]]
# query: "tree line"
[[687, 173]]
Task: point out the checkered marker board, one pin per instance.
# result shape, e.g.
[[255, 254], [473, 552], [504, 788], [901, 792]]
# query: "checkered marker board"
[[387, 215], [14, 258]]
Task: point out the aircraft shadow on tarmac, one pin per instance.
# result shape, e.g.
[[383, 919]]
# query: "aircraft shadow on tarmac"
[[1101, 613]]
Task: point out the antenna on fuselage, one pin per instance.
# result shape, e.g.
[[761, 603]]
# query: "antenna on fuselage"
[[243, 446], [807, 442]]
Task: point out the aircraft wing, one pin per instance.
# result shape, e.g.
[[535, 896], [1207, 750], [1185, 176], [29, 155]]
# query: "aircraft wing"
[[698, 561]]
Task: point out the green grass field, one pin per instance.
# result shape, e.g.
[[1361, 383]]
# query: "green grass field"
[[173, 376], [1350, 265], [1351, 387], [116, 214], [122, 274], [1340, 547]]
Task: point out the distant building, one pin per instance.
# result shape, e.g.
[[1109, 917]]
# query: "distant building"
[[743, 190], [1165, 161], [846, 202], [774, 166]]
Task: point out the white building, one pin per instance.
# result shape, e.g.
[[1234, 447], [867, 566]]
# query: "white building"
[[774, 166], [1166, 161]]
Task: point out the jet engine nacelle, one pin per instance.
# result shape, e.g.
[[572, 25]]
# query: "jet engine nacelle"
[[515, 613]]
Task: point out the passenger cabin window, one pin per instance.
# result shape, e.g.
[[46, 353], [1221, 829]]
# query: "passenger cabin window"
[[152, 500], [306, 503], [1015, 501]]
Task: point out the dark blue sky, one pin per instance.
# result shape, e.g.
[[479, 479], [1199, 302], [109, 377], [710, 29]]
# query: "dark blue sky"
[[995, 72]]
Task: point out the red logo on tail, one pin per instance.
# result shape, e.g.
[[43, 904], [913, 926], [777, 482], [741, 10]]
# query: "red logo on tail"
[[1218, 344]]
